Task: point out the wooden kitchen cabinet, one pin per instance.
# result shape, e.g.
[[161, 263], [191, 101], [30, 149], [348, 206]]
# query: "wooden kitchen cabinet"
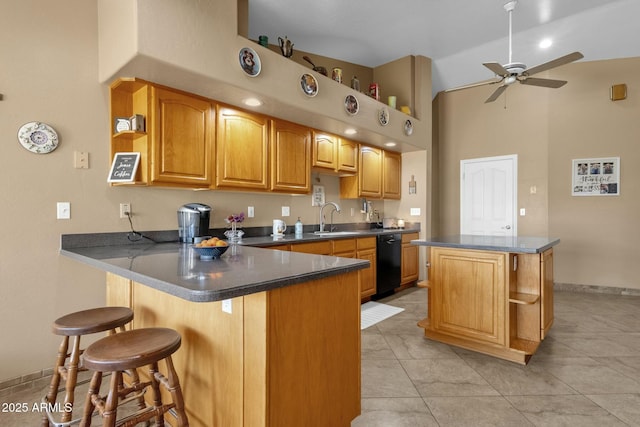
[[366, 249], [378, 175], [470, 294], [322, 247], [290, 157], [368, 181], [182, 129], [391, 171], [344, 248], [332, 154], [497, 303], [325, 149], [347, 156], [242, 150], [129, 96], [409, 265]]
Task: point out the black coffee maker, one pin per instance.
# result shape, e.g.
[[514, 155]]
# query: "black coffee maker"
[[193, 222]]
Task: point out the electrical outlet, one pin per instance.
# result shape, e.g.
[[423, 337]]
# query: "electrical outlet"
[[227, 306], [63, 210], [250, 212], [125, 208], [81, 160], [285, 211]]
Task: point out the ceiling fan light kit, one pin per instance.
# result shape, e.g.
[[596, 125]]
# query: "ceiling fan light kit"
[[511, 72]]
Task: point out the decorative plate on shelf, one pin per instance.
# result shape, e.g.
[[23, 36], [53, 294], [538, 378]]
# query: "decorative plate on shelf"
[[351, 105], [37, 137], [408, 127], [249, 61], [309, 84], [383, 116]]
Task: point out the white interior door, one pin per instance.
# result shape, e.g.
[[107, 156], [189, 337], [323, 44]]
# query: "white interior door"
[[488, 196]]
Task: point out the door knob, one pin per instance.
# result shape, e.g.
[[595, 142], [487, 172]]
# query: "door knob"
[[508, 227]]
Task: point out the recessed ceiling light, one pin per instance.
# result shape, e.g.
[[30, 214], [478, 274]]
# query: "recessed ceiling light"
[[350, 131], [252, 102], [545, 43], [390, 144]]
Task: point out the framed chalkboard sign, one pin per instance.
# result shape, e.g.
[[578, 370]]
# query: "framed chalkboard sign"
[[124, 167]]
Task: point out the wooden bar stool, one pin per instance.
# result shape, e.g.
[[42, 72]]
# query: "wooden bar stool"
[[127, 351], [76, 325]]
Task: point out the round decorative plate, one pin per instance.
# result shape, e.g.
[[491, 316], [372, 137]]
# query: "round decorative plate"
[[309, 84], [249, 61], [408, 127], [383, 116], [37, 137], [351, 105]]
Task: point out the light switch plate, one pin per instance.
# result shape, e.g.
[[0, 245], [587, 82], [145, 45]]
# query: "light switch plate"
[[63, 210], [250, 212], [285, 211], [415, 211]]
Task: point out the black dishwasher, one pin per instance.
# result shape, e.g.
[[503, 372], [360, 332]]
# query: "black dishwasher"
[[389, 252]]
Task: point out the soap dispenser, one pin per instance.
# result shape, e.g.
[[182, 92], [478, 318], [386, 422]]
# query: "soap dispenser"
[[298, 229]]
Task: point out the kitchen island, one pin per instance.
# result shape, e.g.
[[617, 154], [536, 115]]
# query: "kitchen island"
[[490, 294], [269, 337]]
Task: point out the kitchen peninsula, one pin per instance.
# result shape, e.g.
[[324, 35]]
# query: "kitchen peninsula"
[[490, 294], [269, 337]]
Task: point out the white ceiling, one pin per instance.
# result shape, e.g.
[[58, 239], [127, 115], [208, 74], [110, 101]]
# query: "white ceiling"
[[458, 35]]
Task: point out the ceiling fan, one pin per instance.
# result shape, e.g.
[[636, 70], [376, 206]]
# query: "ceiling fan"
[[508, 74]]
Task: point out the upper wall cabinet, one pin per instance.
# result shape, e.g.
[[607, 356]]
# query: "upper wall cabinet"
[[332, 154], [182, 134], [242, 150], [391, 171], [129, 97], [378, 175], [290, 157]]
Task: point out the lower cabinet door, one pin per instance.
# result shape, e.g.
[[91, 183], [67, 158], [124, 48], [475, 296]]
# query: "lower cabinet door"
[[469, 294]]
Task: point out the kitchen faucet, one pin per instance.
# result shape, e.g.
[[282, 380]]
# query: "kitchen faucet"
[[336, 209]]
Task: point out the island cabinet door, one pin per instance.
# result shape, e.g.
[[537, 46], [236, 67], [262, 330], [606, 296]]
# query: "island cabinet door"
[[469, 294]]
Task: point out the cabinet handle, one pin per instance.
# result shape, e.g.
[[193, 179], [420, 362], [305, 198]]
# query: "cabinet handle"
[[428, 265]]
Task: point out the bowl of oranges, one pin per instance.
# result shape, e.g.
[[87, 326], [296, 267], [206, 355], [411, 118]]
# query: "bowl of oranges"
[[212, 248]]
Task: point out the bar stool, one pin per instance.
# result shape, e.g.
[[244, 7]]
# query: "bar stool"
[[127, 351], [75, 325]]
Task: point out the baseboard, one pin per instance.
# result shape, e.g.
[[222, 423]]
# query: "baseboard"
[[33, 380], [595, 289]]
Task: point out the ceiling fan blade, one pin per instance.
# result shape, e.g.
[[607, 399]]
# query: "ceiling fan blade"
[[469, 86], [554, 63], [496, 68], [533, 81], [495, 95]]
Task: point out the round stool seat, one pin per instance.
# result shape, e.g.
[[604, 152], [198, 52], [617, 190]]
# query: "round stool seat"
[[91, 321], [131, 349]]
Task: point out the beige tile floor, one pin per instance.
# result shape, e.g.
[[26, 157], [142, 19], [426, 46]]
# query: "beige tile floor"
[[586, 373]]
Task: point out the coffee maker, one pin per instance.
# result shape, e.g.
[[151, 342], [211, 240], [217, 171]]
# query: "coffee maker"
[[193, 222]]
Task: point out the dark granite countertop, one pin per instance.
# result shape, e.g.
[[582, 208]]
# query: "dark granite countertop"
[[265, 241], [517, 244], [175, 268]]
